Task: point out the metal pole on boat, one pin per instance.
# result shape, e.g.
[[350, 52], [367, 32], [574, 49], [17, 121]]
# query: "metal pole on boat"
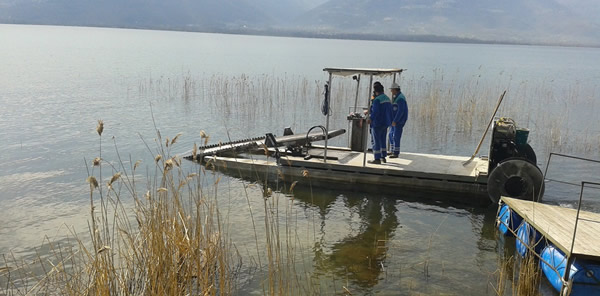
[[393, 81], [357, 86], [327, 123], [357, 78], [389, 127], [368, 116]]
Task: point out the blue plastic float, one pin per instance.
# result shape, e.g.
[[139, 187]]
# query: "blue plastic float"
[[585, 275], [509, 220], [528, 236]]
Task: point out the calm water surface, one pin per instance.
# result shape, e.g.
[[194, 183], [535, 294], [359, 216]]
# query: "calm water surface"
[[55, 82]]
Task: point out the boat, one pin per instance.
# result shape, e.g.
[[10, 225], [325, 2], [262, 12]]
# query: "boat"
[[508, 170]]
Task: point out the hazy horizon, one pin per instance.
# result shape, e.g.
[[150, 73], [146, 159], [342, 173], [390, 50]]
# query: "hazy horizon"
[[544, 22]]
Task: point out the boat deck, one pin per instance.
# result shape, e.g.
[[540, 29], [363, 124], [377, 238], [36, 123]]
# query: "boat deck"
[[557, 224], [411, 170], [426, 164]]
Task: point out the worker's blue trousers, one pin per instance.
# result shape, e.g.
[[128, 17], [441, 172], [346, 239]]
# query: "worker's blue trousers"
[[379, 135], [395, 135]]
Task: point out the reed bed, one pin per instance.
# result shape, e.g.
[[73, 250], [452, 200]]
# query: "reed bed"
[[162, 234], [517, 277], [447, 111], [170, 243]]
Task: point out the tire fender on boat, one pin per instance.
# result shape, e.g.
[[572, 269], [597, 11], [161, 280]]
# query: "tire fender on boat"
[[517, 178]]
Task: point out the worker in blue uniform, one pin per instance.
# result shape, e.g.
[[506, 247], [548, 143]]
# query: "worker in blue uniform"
[[380, 118], [399, 117]]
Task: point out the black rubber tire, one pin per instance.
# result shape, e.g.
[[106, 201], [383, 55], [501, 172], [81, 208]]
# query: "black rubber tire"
[[517, 178]]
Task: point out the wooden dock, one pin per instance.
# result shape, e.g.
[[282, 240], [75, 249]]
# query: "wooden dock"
[[557, 224], [417, 171]]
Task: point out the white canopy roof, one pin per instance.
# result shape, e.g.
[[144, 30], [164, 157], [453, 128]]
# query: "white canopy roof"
[[364, 71]]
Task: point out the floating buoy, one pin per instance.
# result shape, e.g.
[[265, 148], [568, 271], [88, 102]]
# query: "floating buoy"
[[517, 178], [585, 275], [527, 237], [508, 220]]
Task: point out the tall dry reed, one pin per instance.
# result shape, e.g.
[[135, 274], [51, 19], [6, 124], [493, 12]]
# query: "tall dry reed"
[[517, 277], [157, 236], [163, 234]]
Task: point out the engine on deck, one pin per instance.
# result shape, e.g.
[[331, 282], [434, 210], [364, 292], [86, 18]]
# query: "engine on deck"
[[509, 141], [512, 166]]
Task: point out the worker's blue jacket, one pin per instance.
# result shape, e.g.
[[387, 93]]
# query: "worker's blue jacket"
[[381, 111], [399, 110]]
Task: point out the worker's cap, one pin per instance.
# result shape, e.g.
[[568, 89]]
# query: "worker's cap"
[[395, 86]]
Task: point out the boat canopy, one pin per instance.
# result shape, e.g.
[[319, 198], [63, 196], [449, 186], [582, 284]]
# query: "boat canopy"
[[363, 71], [355, 73]]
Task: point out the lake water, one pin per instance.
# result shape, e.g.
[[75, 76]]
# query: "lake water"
[[56, 82]]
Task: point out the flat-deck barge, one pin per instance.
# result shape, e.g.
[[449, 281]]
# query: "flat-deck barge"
[[509, 169], [417, 171]]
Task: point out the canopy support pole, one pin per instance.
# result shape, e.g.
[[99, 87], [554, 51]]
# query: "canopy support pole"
[[388, 131], [368, 117], [356, 96], [327, 124]]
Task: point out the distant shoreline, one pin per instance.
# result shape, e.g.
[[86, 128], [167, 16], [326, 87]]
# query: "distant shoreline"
[[324, 35]]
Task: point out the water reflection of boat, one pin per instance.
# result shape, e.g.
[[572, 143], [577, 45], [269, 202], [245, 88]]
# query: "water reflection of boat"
[[508, 170], [361, 255], [369, 249], [372, 242]]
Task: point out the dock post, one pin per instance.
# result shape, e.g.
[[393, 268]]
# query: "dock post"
[[327, 123]]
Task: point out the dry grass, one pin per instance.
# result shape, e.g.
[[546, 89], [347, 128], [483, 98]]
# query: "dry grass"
[[164, 240], [517, 277], [175, 246], [530, 275]]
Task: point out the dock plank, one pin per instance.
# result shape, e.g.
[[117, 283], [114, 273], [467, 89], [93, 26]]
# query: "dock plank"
[[557, 224]]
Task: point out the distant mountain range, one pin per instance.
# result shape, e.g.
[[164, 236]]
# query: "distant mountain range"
[[562, 22], [520, 21]]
